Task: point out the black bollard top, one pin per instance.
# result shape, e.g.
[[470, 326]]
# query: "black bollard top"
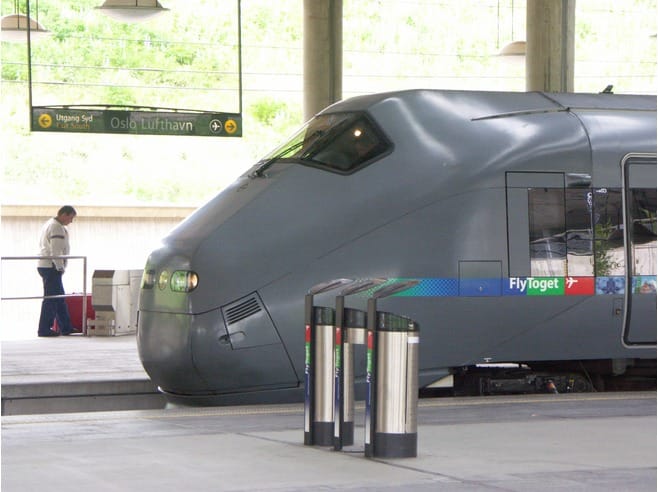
[[324, 315], [395, 322], [354, 318]]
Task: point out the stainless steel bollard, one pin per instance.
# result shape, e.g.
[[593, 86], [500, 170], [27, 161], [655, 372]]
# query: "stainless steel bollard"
[[323, 377], [355, 334], [396, 359], [350, 330], [310, 364]]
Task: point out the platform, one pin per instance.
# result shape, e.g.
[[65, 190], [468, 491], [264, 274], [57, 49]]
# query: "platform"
[[75, 374], [576, 442], [568, 442]]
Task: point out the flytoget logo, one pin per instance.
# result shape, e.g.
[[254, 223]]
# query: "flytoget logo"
[[551, 286], [537, 286]]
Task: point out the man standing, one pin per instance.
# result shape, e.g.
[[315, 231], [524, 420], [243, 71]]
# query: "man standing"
[[54, 241]]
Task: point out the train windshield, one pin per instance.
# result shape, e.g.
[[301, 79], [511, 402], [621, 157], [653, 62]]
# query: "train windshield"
[[340, 142]]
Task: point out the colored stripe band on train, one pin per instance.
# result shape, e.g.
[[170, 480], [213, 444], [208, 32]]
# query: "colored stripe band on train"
[[525, 286]]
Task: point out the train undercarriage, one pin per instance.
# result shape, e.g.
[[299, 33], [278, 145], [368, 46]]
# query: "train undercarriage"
[[550, 377]]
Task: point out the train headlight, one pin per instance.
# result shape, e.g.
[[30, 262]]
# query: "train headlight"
[[163, 279], [184, 281], [148, 279]]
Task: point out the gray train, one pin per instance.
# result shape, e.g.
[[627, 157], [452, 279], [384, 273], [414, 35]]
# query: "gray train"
[[526, 220]]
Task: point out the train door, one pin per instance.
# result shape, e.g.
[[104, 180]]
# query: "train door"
[[601, 240], [639, 201]]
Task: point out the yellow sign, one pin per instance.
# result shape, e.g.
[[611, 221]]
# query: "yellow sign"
[[45, 120], [230, 126]]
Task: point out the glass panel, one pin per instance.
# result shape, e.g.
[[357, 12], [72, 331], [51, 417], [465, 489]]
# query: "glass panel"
[[608, 233], [580, 254], [356, 144], [643, 217], [307, 136], [340, 142], [547, 232]]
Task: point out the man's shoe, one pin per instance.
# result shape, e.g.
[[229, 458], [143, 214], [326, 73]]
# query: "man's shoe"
[[66, 334], [49, 334]]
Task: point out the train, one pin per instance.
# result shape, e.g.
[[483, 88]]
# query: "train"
[[524, 223]]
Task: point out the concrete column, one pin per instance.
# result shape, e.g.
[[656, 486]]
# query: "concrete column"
[[323, 54], [550, 45]]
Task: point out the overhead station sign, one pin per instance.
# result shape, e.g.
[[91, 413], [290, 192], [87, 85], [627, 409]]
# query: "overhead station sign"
[[185, 123]]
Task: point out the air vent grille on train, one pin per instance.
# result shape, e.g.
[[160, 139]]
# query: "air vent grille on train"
[[248, 324], [241, 310]]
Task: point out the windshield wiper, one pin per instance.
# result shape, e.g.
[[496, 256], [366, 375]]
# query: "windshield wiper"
[[258, 173], [316, 135]]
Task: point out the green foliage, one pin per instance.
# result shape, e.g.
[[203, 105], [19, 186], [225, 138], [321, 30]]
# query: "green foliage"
[[13, 72], [604, 262], [268, 110], [117, 93], [160, 190]]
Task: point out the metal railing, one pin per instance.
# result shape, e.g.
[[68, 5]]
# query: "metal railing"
[[57, 257]]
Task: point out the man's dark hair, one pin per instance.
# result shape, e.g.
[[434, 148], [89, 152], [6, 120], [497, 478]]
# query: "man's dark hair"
[[67, 210]]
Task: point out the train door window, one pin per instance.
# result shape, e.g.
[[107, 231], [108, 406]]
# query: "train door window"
[[561, 232], [546, 218], [579, 232], [642, 213], [609, 257]]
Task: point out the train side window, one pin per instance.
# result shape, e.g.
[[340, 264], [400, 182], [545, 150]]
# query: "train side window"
[[546, 217], [643, 219], [579, 232], [609, 259], [561, 232]]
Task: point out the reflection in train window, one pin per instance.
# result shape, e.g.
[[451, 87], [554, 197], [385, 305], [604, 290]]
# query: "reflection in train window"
[[580, 232], [547, 232], [580, 254], [642, 215], [609, 256]]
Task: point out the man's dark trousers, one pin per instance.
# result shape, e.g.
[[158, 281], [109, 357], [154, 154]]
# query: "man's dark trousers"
[[53, 308]]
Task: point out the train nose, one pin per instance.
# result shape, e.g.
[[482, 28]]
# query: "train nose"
[[165, 323], [164, 344], [200, 357]]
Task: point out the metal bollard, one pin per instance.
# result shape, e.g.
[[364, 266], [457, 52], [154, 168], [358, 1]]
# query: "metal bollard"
[[319, 365], [353, 333], [392, 380], [396, 433], [350, 330], [323, 413]]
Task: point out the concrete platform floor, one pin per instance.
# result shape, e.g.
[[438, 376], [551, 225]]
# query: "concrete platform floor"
[[75, 374], [574, 442], [71, 359]]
